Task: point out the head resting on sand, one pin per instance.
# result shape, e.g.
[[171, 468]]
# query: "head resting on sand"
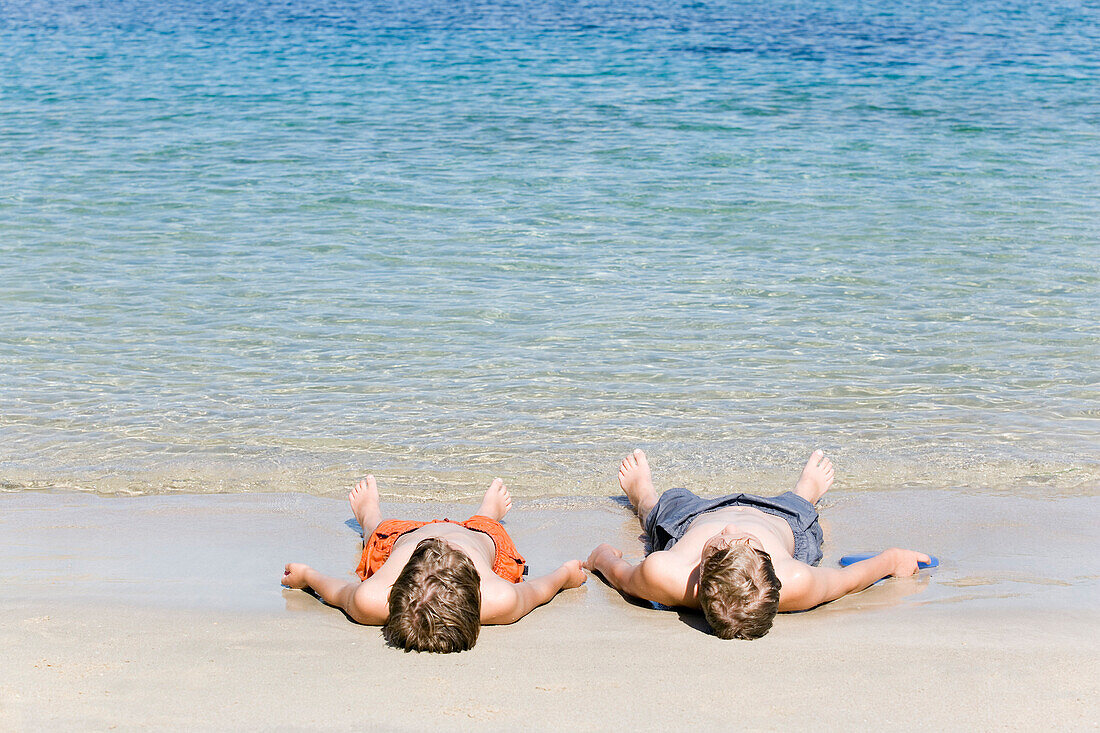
[[738, 590], [435, 603]]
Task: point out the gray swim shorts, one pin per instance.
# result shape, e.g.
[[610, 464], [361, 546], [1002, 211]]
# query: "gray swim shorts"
[[678, 508]]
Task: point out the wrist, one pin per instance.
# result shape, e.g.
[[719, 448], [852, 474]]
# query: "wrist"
[[312, 577]]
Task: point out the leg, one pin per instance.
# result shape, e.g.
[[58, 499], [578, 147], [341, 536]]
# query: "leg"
[[364, 504], [497, 501], [816, 478], [636, 481]]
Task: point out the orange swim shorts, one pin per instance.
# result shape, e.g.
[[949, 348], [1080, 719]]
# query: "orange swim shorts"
[[508, 563]]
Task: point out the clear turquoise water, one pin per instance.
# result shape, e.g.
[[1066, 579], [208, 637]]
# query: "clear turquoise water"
[[271, 245]]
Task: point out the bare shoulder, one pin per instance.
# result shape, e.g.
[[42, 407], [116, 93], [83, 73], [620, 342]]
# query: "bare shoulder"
[[792, 573], [670, 579], [800, 585], [370, 602], [666, 567], [499, 599]]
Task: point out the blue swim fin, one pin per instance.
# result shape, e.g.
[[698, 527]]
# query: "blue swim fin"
[[849, 559]]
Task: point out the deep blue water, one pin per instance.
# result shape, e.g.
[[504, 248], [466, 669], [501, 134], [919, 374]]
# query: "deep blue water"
[[271, 245]]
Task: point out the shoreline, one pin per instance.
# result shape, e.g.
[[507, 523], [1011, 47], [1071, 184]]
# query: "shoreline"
[[562, 476], [166, 611]]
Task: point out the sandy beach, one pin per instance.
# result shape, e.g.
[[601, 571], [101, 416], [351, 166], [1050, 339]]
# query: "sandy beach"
[[250, 251], [165, 612]]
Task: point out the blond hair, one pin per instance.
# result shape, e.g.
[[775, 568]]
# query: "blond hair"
[[739, 592]]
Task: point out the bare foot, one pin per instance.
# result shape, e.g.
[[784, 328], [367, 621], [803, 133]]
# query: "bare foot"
[[497, 501], [636, 481], [816, 477], [364, 504]]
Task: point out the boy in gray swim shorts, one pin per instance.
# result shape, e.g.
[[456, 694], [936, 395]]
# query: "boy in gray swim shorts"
[[740, 558]]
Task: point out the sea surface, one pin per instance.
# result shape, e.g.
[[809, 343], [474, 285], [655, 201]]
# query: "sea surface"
[[270, 246]]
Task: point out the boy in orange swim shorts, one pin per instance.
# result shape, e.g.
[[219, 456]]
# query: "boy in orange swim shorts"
[[431, 585]]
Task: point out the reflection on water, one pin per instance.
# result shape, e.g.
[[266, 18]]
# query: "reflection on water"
[[247, 250]]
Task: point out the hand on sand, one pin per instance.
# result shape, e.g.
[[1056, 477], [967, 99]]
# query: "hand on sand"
[[904, 562], [294, 576], [576, 574], [593, 561]]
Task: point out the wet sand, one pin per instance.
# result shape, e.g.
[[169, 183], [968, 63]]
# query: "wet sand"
[[166, 612]]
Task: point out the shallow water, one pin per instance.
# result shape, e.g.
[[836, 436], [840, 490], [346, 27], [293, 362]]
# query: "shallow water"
[[272, 245]]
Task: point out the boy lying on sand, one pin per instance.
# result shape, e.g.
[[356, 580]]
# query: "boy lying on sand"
[[740, 558], [432, 584]]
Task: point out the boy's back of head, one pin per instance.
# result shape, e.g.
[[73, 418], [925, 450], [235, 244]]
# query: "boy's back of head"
[[435, 603], [739, 592]]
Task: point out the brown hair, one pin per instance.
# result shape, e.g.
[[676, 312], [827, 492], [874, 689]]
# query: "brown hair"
[[739, 592], [435, 603]]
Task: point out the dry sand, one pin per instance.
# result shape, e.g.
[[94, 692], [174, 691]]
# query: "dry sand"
[[166, 612]]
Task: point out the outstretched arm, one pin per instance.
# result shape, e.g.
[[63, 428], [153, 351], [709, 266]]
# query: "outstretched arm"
[[658, 578], [806, 587], [506, 603], [359, 600]]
